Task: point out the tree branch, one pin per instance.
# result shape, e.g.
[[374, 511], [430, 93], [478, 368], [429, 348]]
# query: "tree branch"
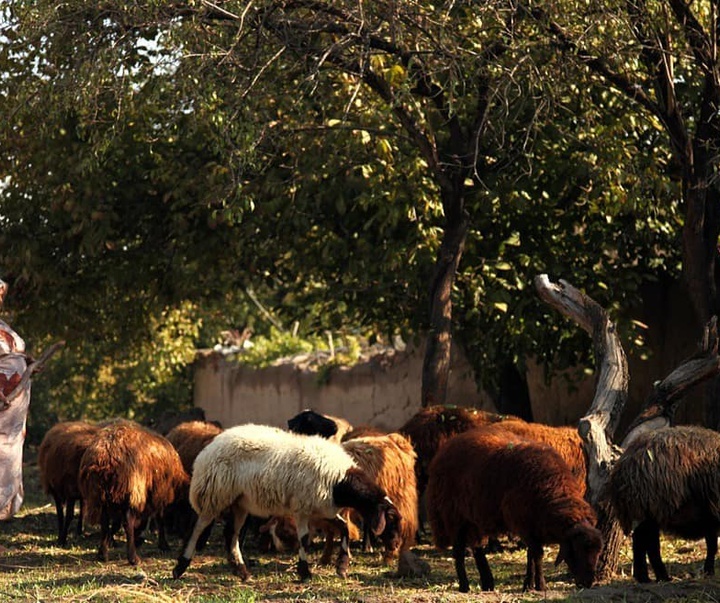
[[659, 409]]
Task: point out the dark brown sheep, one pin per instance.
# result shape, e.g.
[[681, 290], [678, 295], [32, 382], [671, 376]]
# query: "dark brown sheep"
[[488, 482], [564, 439], [129, 474], [668, 479], [59, 457], [430, 427]]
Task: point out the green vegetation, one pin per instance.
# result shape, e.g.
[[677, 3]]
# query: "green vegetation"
[[218, 167]]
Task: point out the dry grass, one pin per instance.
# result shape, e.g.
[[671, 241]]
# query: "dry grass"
[[32, 568]]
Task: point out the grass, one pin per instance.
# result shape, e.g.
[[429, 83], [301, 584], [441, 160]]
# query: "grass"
[[33, 568]]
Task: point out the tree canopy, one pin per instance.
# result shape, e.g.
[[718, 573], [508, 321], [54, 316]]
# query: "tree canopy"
[[378, 167]]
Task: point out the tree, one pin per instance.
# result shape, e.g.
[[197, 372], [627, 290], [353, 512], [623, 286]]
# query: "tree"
[[661, 56], [331, 157]]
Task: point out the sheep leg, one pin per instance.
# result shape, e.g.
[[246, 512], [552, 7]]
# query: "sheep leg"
[[235, 557], [131, 522], [534, 578], [711, 551], [69, 512], [459, 555], [343, 560], [326, 557], [61, 521], [79, 527], [487, 582], [303, 530], [202, 522], [640, 548], [162, 536], [105, 534], [648, 532]]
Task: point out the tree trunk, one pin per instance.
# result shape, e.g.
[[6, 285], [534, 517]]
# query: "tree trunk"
[[599, 424], [436, 363]]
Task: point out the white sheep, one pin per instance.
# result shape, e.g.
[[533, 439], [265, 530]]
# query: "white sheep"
[[265, 471]]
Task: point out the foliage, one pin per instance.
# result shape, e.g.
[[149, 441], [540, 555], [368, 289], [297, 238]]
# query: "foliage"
[[162, 161]]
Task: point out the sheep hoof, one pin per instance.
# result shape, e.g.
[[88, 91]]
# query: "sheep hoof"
[[241, 571], [464, 588], [180, 567], [303, 570]]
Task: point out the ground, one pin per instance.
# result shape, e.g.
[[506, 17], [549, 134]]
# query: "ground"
[[33, 568]]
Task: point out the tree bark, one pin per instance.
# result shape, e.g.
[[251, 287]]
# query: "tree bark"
[[598, 425], [436, 363]]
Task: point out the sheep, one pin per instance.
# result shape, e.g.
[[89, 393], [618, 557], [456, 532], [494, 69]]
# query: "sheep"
[[564, 439], [430, 427], [266, 471], [390, 460], [129, 474], [309, 422], [189, 438], [59, 457], [668, 479], [488, 482]]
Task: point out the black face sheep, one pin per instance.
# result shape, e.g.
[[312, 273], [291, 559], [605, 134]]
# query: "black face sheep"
[[129, 474], [59, 457], [265, 471], [668, 479], [309, 422], [487, 482]]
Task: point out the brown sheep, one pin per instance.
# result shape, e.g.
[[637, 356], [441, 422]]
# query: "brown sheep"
[[565, 440], [430, 427], [389, 460], [189, 438], [487, 482], [129, 474], [59, 457], [668, 479]]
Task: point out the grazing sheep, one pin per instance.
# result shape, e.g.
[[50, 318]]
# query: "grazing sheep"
[[565, 440], [59, 457], [266, 471], [487, 482], [668, 479], [189, 438], [430, 427], [309, 422], [390, 460], [129, 474]]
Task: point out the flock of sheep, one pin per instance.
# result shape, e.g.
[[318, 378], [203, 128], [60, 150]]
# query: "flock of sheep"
[[481, 476]]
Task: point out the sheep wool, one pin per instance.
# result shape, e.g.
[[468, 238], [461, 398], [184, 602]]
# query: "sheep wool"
[[265, 471], [668, 479], [487, 482], [281, 472], [59, 458]]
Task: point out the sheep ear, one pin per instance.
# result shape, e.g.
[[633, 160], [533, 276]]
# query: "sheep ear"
[[379, 528]]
